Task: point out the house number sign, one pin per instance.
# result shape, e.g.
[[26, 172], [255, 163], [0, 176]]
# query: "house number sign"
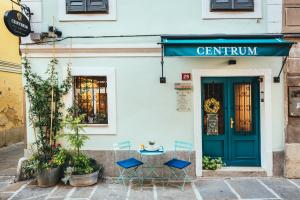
[[17, 23]]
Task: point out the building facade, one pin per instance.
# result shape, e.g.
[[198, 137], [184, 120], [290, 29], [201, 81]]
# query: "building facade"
[[291, 30], [197, 71], [11, 92]]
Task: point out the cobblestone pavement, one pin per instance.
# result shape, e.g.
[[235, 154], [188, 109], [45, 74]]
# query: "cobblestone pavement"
[[9, 157], [201, 189]]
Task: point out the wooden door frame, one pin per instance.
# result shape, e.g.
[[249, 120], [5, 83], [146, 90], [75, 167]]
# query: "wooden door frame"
[[266, 153]]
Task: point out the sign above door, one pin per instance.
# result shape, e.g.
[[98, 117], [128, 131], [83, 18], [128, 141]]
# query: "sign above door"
[[219, 46]]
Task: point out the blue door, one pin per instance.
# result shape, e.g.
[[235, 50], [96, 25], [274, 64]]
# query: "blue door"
[[231, 124]]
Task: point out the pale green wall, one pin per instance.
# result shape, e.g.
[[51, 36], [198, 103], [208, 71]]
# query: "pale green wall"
[[146, 109], [155, 17]]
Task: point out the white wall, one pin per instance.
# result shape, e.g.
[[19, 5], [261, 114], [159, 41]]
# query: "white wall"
[[146, 109]]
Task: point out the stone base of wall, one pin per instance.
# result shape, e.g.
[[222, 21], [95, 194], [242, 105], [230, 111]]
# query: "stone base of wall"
[[278, 163], [292, 161], [107, 158], [11, 136]]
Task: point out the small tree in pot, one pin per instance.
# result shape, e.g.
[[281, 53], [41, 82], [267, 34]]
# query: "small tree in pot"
[[82, 170], [45, 105]]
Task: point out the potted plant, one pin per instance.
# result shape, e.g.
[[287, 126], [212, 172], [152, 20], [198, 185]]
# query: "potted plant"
[[82, 170], [45, 115], [48, 171]]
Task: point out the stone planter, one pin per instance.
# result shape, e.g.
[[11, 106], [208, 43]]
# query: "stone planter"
[[48, 177], [84, 180]]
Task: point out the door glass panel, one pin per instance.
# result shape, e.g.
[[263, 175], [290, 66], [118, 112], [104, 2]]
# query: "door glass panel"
[[213, 108], [243, 107]]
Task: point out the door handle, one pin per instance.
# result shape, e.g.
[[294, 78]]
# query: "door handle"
[[231, 122]]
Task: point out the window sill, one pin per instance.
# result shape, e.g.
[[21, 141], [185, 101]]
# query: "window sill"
[[94, 125]]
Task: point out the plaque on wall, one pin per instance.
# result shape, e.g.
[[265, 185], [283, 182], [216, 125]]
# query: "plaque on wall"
[[184, 97], [294, 101], [212, 124]]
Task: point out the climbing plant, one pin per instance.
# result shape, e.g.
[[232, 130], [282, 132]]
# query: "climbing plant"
[[45, 106]]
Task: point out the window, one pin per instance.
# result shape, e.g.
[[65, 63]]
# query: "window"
[[91, 98], [291, 14], [232, 5], [86, 6]]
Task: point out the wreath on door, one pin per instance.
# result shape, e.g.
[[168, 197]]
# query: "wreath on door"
[[211, 105]]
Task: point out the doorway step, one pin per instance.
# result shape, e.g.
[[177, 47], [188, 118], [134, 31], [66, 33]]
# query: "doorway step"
[[236, 172]]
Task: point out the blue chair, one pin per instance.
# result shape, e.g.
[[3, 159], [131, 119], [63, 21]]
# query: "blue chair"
[[178, 168], [128, 168]]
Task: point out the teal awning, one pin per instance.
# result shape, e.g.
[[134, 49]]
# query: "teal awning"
[[222, 47]]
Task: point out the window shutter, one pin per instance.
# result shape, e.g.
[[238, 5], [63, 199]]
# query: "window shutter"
[[75, 6], [97, 6], [221, 5], [244, 5]]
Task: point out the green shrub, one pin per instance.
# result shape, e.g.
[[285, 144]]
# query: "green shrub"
[[28, 169], [212, 163]]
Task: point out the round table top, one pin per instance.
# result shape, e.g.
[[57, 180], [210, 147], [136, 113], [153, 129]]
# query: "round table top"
[[151, 153]]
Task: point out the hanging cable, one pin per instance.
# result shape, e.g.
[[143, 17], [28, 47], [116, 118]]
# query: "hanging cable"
[[89, 37]]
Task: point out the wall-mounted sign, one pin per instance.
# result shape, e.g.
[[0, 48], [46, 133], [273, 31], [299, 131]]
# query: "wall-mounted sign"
[[294, 101], [183, 86], [212, 124], [186, 76], [206, 47], [184, 97], [17, 23]]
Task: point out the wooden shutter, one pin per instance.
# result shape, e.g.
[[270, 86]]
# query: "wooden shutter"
[[244, 5], [97, 6], [221, 5], [75, 6], [291, 16]]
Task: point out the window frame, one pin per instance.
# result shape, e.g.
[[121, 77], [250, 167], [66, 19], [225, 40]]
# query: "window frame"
[[64, 17], [94, 97], [256, 14], [233, 5], [86, 7], [286, 28], [98, 129]]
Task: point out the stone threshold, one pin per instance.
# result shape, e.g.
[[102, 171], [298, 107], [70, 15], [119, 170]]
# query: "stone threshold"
[[236, 172]]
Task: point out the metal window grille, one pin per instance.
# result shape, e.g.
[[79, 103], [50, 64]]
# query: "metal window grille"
[[91, 97], [243, 107], [216, 91]]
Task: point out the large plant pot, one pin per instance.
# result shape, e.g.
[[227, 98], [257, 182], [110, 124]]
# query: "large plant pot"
[[48, 177], [84, 180]]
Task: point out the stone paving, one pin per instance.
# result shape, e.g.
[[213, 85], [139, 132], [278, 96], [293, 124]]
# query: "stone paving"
[[9, 157], [201, 189]]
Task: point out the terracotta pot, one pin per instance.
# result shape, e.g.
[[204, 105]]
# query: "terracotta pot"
[[48, 177], [84, 180]]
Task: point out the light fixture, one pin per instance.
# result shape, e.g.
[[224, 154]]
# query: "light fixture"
[[232, 62]]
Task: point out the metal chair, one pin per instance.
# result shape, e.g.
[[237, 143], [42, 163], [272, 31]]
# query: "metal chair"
[[128, 168], [177, 167]]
